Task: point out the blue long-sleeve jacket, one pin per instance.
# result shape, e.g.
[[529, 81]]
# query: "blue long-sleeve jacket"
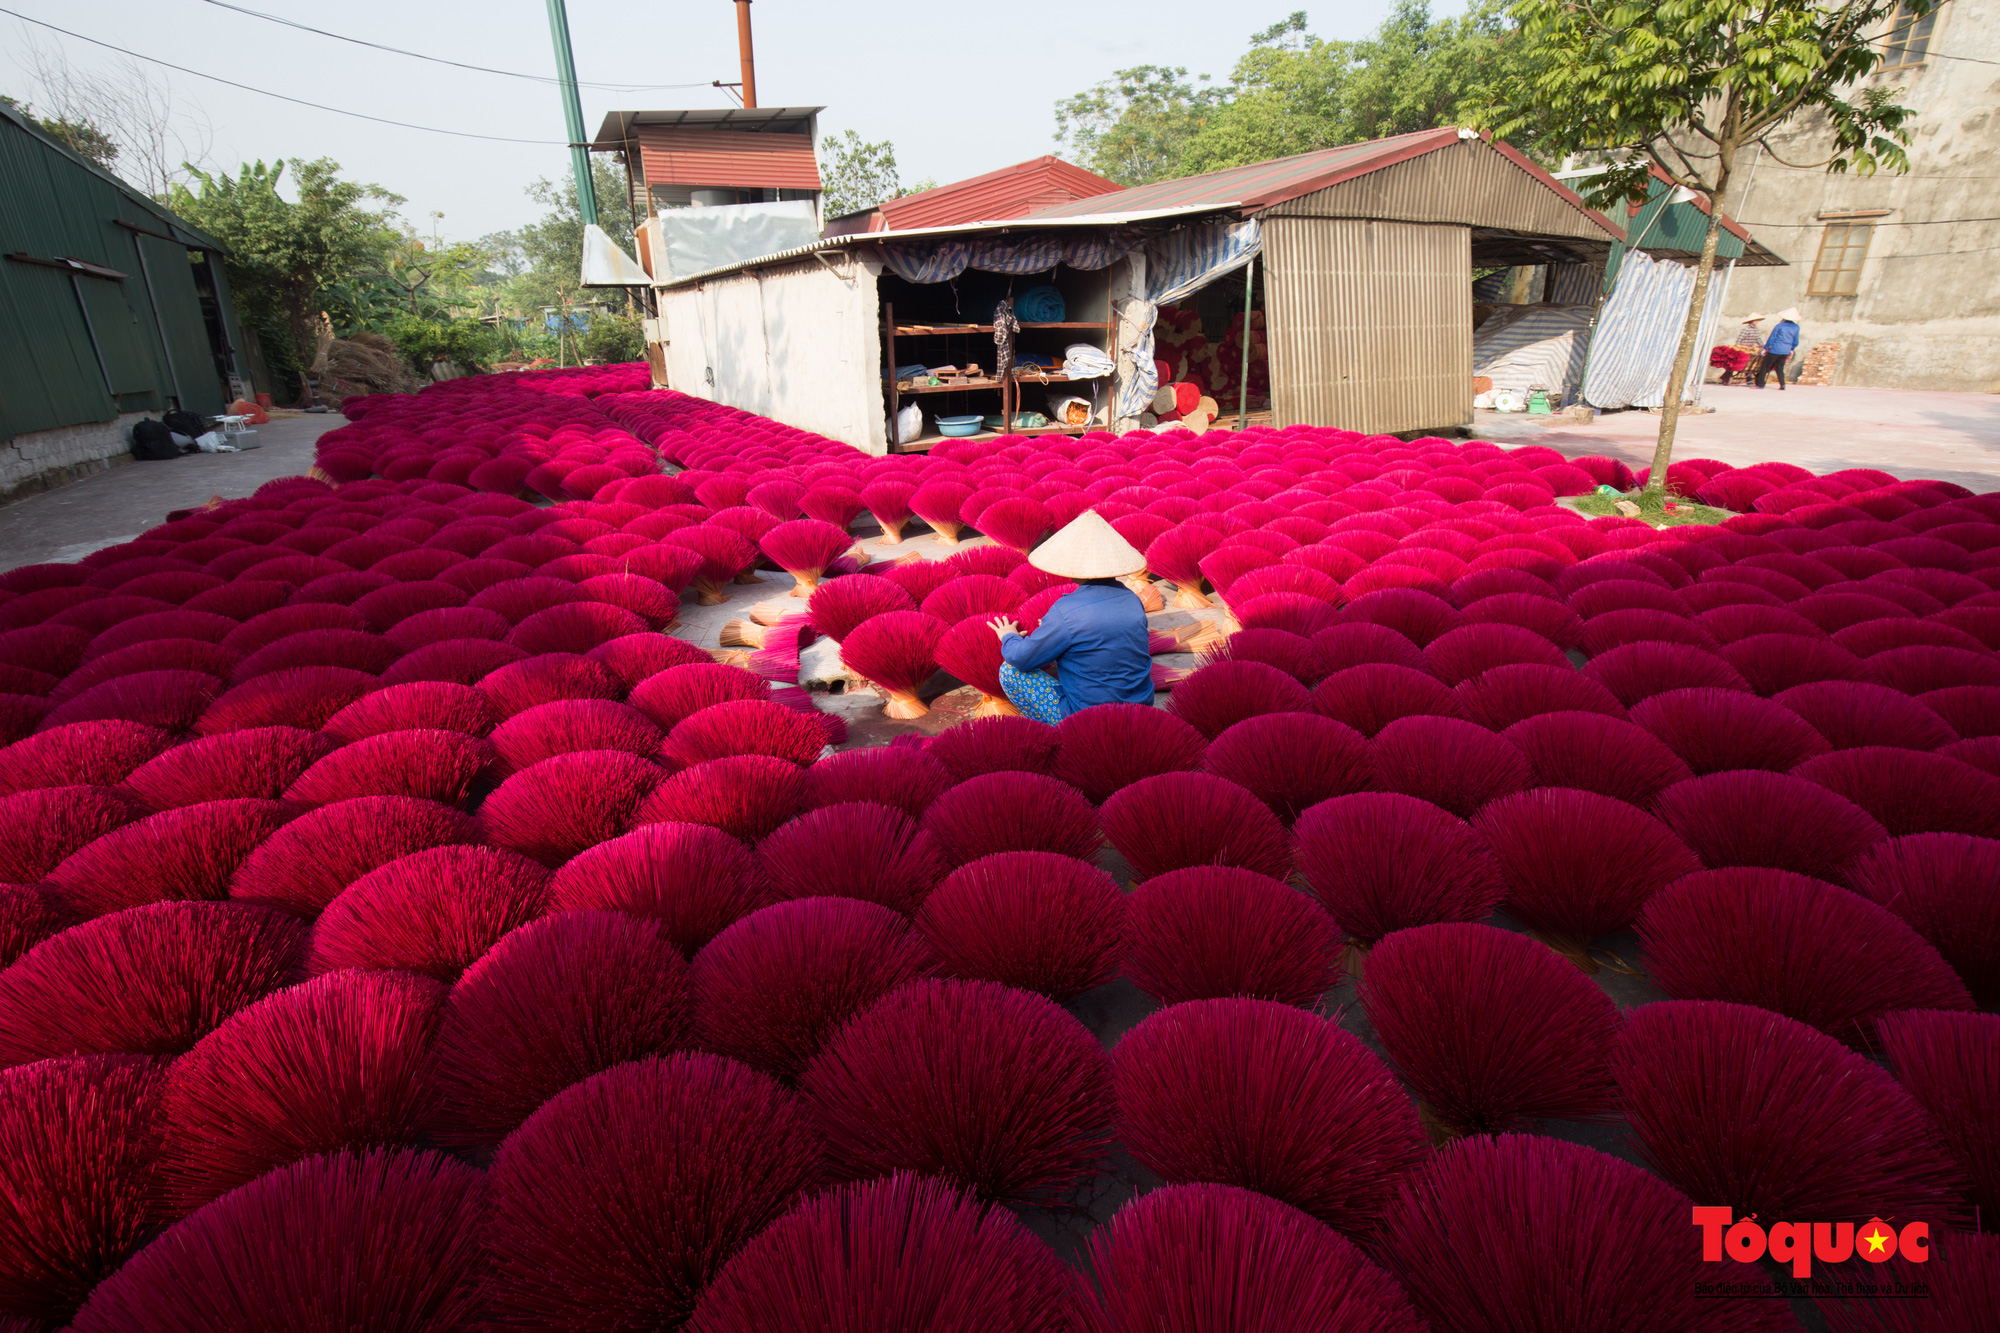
[[1784, 339], [1097, 638]]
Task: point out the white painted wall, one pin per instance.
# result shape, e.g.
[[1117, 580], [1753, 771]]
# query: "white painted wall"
[[799, 342], [1926, 313]]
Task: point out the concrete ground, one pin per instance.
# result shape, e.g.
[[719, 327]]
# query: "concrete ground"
[[1908, 433], [114, 506]]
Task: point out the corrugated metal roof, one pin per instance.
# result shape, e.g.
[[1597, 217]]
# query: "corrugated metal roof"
[[618, 126], [1263, 185], [154, 214], [1472, 183], [1540, 204], [1004, 226], [1009, 192]]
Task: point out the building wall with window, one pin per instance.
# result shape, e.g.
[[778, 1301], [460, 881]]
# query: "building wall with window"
[[1902, 272]]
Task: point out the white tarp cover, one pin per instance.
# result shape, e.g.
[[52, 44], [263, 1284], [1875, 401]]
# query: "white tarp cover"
[[1639, 333], [700, 239], [1521, 346]]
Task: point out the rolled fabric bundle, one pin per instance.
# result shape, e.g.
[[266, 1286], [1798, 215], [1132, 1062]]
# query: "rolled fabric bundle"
[[1041, 305], [1083, 361]]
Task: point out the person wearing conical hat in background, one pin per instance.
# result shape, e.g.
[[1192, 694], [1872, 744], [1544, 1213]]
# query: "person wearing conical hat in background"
[[1094, 637], [1749, 344], [1779, 345]]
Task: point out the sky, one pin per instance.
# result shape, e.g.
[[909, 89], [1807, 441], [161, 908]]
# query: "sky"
[[959, 88]]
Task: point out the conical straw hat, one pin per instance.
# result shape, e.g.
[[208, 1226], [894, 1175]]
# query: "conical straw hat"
[[1089, 548]]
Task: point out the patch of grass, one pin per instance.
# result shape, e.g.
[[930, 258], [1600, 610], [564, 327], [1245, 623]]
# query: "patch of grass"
[[1651, 508]]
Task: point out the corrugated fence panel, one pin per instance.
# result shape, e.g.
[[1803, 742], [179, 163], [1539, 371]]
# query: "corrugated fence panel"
[[1369, 323], [1469, 183]]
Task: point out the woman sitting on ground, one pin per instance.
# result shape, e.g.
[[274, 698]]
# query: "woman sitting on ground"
[[1095, 638]]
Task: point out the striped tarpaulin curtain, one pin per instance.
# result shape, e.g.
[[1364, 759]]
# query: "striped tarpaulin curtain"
[[941, 261], [1177, 263], [1522, 346], [1573, 284], [1639, 331]]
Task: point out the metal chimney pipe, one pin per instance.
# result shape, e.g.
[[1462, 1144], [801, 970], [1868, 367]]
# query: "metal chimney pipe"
[[749, 57]]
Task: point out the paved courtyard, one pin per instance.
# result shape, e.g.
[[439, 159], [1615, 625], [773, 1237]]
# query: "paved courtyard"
[[1908, 433], [1953, 436], [116, 505]]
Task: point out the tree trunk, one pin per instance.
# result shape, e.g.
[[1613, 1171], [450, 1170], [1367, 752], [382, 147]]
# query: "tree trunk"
[[1704, 269]]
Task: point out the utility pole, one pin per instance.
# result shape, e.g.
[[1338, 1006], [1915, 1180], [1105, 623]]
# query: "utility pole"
[[579, 149]]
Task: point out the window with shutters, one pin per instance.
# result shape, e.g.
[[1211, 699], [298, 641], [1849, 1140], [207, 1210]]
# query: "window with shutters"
[[1908, 40], [1842, 247]]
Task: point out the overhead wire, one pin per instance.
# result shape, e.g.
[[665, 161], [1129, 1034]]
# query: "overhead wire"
[[282, 97], [440, 60]]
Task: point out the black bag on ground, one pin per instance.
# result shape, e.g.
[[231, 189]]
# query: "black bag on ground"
[[152, 441], [184, 423]]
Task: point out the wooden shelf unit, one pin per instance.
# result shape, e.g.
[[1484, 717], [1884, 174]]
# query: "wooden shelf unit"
[[929, 330], [923, 443], [1041, 375], [1022, 375]]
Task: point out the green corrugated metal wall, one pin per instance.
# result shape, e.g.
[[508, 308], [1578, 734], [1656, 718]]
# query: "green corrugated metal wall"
[[1663, 226], [53, 205]]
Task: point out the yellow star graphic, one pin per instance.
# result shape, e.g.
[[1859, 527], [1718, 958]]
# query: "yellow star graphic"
[[1876, 1240]]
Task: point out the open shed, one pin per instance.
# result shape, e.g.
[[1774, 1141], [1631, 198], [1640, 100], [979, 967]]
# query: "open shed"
[[1363, 307]]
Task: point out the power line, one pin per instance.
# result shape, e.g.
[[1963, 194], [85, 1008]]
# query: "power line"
[[1874, 222], [282, 97], [440, 60], [1938, 254]]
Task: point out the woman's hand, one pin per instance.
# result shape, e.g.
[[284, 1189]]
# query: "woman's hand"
[[1002, 626]]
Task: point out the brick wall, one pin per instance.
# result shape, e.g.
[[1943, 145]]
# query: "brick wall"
[[44, 459], [1821, 360]]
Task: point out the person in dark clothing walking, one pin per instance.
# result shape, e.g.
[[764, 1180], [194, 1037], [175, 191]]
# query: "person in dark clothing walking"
[[1778, 348], [1094, 637]]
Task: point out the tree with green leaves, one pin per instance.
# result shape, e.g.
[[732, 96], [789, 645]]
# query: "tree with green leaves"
[[81, 135], [855, 174], [1135, 126], [1291, 92], [284, 257], [552, 248], [1679, 90], [1417, 73], [1288, 94]]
